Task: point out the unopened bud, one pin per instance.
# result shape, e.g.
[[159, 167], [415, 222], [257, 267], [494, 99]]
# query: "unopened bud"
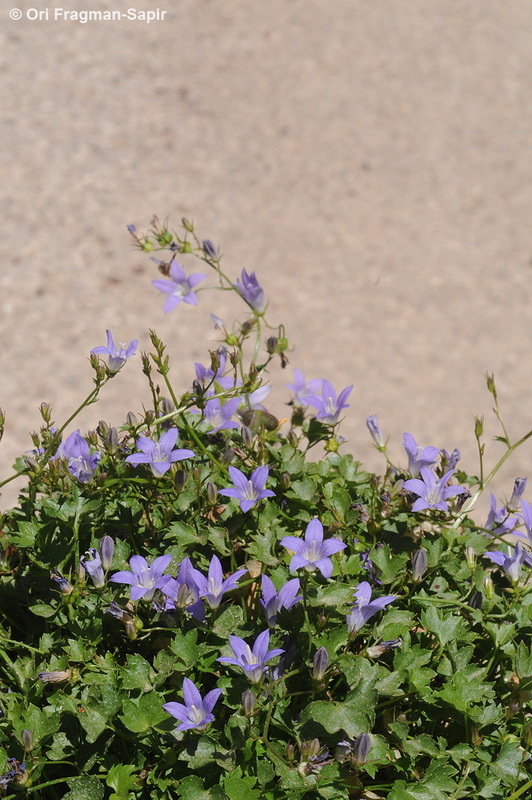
[[46, 412], [111, 440], [488, 587], [479, 427], [475, 600], [212, 493], [131, 419], [515, 500], [227, 456], [471, 557], [62, 584], [210, 250], [187, 224], [55, 676], [490, 383], [271, 344], [292, 438], [107, 548], [309, 749], [180, 478], [320, 664], [361, 748], [286, 481], [27, 740], [102, 429], [149, 417], [376, 433], [419, 565], [248, 702], [290, 752], [167, 406], [247, 436], [377, 650], [343, 749]]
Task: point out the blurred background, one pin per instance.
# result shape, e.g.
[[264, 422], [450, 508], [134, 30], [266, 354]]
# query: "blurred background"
[[370, 161]]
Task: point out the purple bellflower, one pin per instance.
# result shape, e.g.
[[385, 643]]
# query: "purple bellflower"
[[433, 492], [418, 457], [526, 514], [197, 711], [251, 660], [159, 455], [179, 287], [518, 490], [364, 608], [144, 579], [511, 563], [302, 388], [251, 291], [312, 552], [92, 564], [182, 592], [208, 375], [376, 433], [117, 355], [81, 463], [272, 601], [248, 490], [219, 416], [212, 588], [328, 405], [500, 520]]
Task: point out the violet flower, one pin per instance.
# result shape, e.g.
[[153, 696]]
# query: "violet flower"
[[499, 520], [511, 563], [81, 462], [272, 602], [183, 592], [418, 457], [251, 660], [196, 712], [328, 405], [212, 588], [219, 416], [159, 455], [302, 388], [364, 607], [526, 514], [432, 491], [312, 552], [248, 490], [117, 355], [179, 287], [518, 490], [92, 564], [373, 426], [251, 291], [208, 375], [144, 579]]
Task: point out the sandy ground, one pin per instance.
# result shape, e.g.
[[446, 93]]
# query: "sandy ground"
[[370, 160]]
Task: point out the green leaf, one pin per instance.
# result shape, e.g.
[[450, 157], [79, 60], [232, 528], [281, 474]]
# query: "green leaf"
[[185, 648], [240, 787], [137, 674], [506, 766], [447, 627], [229, 620], [84, 788], [305, 489], [143, 713], [43, 610], [121, 778], [27, 534]]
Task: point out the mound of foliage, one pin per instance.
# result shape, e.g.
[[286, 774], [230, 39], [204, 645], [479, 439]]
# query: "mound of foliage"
[[193, 607]]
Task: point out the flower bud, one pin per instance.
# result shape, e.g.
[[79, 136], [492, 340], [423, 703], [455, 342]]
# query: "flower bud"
[[187, 225], [343, 749], [488, 587], [479, 427], [271, 344], [131, 419], [247, 435], [46, 412], [292, 438], [285, 481], [475, 601], [490, 383], [62, 584], [27, 740], [376, 433], [419, 565], [309, 749], [227, 456], [361, 748], [320, 664], [167, 406], [377, 650], [515, 500], [102, 429], [107, 548], [248, 702], [210, 250], [290, 752], [55, 676], [471, 557], [180, 478], [212, 493]]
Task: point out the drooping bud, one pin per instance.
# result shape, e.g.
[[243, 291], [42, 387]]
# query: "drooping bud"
[[55, 676], [377, 650], [419, 565], [361, 748], [320, 664]]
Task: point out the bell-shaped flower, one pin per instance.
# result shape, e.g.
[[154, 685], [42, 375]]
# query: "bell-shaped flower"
[[182, 592], [251, 660], [272, 601], [302, 388], [159, 455], [312, 552], [511, 563], [81, 462], [144, 579], [212, 588], [179, 287], [219, 416], [248, 490], [364, 607], [196, 712], [328, 405], [418, 457], [432, 492], [251, 291], [117, 355], [92, 564]]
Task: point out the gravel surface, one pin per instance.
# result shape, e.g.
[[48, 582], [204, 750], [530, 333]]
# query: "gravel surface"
[[370, 160]]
